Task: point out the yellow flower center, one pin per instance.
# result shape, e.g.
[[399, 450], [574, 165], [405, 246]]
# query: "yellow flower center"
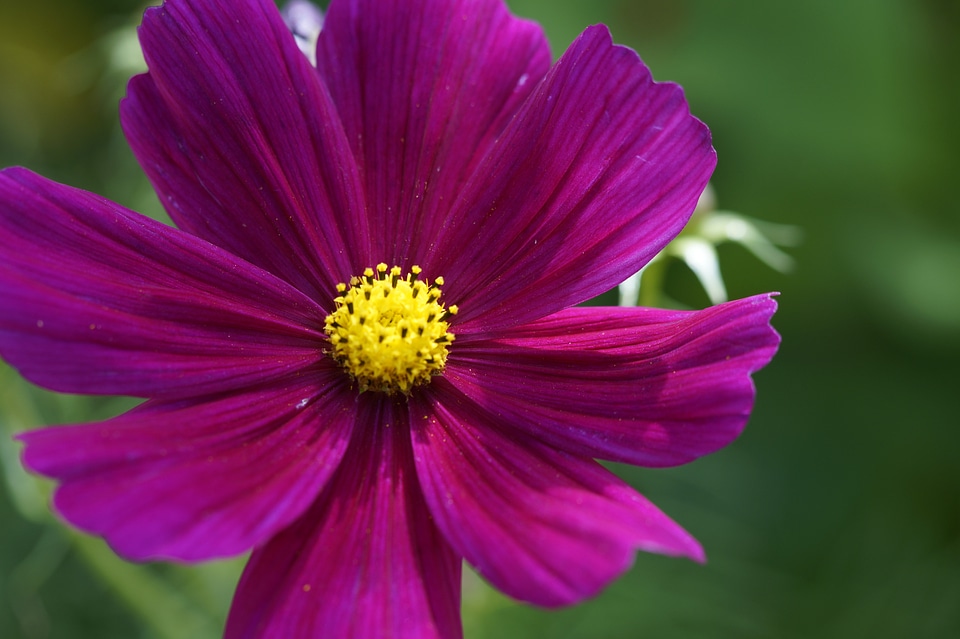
[[390, 333]]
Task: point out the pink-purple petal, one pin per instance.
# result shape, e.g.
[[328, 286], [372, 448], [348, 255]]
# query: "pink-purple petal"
[[637, 385], [598, 171], [366, 561], [424, 88], [201, 478], [98, 299], [541, 525], [243, 144]]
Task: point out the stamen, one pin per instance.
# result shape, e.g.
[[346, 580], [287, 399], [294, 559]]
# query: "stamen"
[[393, 341]]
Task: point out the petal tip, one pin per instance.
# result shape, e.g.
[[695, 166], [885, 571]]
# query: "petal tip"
[[28, 452], [695, 552]]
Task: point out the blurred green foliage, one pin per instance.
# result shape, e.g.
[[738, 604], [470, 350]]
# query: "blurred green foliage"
[[837, 514]]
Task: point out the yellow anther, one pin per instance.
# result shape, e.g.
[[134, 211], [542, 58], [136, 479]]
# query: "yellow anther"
[[390, 333]]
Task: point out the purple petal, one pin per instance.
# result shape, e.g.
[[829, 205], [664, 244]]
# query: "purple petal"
[[97, 299], [201, 478], [424, 88], [366, 561], [242, 142], [637, 385], [543, 526], [598, 171]]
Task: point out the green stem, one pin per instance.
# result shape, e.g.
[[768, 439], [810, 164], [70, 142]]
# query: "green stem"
[[651, 283]]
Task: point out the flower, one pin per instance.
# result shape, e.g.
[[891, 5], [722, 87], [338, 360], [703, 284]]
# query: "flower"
[[360, 350], [696, 247]]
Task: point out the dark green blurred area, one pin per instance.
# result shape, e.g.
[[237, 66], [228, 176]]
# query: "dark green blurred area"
[[837, 514]]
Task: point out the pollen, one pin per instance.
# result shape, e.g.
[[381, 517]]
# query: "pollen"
[[390, 331]]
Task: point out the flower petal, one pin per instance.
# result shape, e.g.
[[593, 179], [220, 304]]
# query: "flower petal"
[[366, 561], [202, 478], [424, 88], [597, 172], [97, 299], [637, 385], [543, 526], [242, 142]]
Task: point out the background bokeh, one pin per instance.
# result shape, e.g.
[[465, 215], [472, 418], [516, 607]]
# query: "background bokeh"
[[837, 514]]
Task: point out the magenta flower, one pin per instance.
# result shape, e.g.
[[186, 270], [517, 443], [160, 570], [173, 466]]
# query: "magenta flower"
[[317, 392]]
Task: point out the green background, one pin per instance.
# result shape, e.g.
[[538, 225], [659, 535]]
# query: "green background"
[[837, 514]]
